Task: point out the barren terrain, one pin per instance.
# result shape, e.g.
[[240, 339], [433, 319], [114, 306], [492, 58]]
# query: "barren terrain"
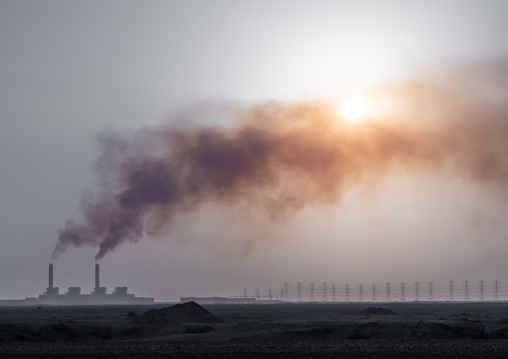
[[345, 330]]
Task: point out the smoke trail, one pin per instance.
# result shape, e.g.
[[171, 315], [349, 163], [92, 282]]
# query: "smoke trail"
[[281, 157]]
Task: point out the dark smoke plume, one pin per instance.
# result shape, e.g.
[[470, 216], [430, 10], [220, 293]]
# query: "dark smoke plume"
[[281, 157]]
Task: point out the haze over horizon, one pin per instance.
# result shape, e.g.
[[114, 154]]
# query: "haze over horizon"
[[210, 148]]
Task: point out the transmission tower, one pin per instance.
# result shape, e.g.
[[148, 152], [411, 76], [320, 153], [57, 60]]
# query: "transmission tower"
[[388, 296], [334, 296], [347, 293], [451, 296], [402, 292], [270, 296], [299, 292], [325, 292], [245, 292], [286, 288], [360, 293], [466, 290], [312, 298], [258, 296], [431, 291], [417, 292], [374, 298], [496, 290], [482, 295]]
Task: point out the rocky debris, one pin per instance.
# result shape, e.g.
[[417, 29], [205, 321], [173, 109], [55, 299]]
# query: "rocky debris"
[[15, 333], [376, 311], [436, 330], [197, 329], [56, 332]]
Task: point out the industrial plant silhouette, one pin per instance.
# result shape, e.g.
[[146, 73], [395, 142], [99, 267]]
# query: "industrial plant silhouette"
[[73, 296]]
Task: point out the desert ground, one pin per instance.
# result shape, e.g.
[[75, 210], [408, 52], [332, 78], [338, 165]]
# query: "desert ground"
[[288, 330]]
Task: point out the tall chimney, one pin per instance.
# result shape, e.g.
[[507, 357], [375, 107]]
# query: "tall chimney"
[[96, 275], [51, 275]]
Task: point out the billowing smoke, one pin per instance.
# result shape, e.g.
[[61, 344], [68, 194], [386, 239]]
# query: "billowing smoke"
[[283, 156]]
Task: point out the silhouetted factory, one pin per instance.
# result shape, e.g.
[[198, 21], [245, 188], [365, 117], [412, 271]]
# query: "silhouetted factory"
[[73, 295], [98, 296]]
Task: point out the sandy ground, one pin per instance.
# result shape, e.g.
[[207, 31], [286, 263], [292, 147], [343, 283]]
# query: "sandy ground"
[[333, 330]]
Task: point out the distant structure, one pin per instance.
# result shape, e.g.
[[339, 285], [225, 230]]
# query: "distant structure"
[[325, 292], [299, 292], [99, 296], [431, 291], [496, 290], [482, 295], [451, 296], [312, 297], [466, 291], [402, 292], [224, 300], [334, 295]]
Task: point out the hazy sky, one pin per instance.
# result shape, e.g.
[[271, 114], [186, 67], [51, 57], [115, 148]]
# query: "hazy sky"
[[70, 71]]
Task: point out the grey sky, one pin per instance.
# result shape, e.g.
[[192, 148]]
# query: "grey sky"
[[70, 70]]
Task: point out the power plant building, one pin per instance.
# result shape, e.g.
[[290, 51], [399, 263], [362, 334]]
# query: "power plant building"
[[99, 296]]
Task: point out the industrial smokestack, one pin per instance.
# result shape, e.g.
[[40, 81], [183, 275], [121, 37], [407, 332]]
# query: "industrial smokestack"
[[96, 275], [50, 275]]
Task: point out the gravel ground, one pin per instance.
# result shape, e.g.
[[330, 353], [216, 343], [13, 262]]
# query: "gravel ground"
[[371, 348]]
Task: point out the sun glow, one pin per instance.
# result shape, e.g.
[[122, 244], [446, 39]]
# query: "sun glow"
[[353, 109]]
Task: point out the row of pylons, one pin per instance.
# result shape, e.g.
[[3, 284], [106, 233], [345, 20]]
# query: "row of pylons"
[[389, 292]]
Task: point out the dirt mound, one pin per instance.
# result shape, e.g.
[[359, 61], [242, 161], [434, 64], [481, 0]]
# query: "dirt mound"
[[375, 311], [189, 312]]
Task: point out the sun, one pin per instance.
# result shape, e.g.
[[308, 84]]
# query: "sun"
[[353, 109]]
